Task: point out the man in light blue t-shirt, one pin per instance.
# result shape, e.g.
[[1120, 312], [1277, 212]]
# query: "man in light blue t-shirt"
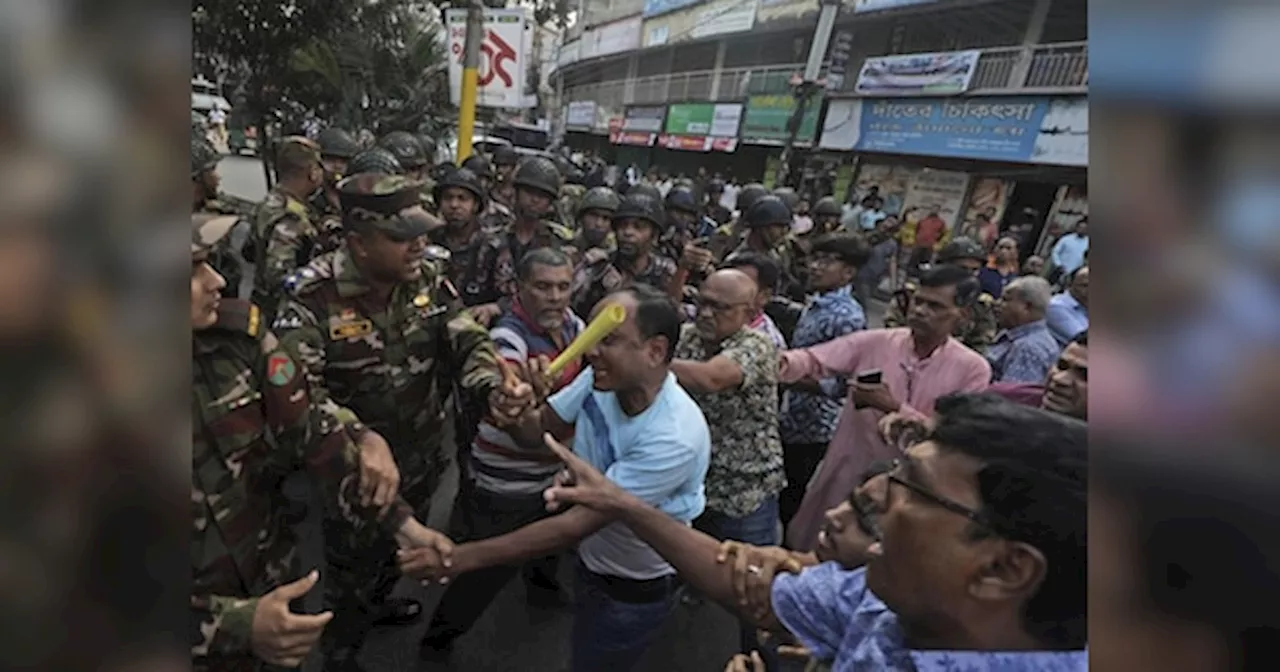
[[632, 421]]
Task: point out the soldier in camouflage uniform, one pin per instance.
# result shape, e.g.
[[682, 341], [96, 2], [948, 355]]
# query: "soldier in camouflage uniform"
[[537, 182], [382, 336], [730, 235], [505, 160], [254, 422], [285, 235], [205, 198], [681, 206], [594, 240], [636, 225], [495, 216], [413, 157], [337, 148], [979, 331], [768, 222], [473, 250]]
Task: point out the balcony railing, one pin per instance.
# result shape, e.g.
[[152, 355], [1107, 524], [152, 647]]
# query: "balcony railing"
[[1060, 68]]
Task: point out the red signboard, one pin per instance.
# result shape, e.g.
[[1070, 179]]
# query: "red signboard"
[[697, 143], [632, 138]]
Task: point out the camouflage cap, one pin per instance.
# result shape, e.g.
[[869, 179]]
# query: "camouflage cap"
[[207, 229], [296, 150], [203, 156], [390, 203]]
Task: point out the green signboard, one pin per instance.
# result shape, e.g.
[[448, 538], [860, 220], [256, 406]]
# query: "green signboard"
[[765, 121], [690, 119]]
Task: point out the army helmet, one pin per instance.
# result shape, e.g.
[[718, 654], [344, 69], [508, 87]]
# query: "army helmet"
[[375, 160], [406, 148], [645, 189], [766, 211], [462, 178], [479, 165], [715, 187], [748, 195], [599, 198], [961, 248], [539, 174], [338, 143], [641, 206], [788, 196], [827, 207], [204, 157], [505, 156], [681, 198], [429, 146]]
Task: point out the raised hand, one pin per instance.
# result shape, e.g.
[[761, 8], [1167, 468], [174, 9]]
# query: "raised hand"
[[281, 637], [580, 483]]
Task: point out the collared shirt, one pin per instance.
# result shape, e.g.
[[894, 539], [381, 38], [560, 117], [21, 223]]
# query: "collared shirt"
[[842, 623], [1023, 354], [1066, 317], [591, 282], [916, 382], [765, 325], [659, 455], [1068, 253], [746, 465], [993, 278], [499, 463], [811, 418], [511, 250]]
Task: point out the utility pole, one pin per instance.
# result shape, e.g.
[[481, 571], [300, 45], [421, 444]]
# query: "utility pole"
[[808, 84], [470, 79]]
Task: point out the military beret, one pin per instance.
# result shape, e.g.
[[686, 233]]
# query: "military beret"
[[208, 229], [390, 203]]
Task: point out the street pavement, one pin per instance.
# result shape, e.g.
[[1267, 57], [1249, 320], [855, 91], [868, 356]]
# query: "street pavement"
[[511, 636]]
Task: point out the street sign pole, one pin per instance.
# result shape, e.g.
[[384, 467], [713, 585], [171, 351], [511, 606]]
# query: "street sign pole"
[[470, 77], [808, 84]]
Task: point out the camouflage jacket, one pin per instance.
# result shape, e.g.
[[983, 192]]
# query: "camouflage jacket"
[[570, 196], [548, 234], [254, 422], [391, 366], [978, 332], [586, 254], [496, 217], [591, 282], [671, 243], [472, 266], [328, 218], [792, 266], [429, 195], [284, 238]]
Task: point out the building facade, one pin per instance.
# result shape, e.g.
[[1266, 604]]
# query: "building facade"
[[972, 109]]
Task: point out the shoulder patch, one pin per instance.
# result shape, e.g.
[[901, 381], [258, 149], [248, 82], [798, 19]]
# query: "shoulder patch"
[[275, 200], [985, 298], [308, 278], [239, 316], [561, 231], [297, 208]]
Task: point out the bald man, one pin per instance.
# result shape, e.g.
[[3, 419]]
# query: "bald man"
[[731, 371]]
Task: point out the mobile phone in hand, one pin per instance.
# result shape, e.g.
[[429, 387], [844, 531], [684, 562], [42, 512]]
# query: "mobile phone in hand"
[[868, 377]]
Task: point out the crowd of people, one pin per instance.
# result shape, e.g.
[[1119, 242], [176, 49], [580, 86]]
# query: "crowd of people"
[[902, 498]]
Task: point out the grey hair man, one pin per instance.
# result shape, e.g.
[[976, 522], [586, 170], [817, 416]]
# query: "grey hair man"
[[1024, 349]]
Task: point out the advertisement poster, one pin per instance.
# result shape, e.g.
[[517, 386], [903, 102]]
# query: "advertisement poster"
[[1064, 133], [503, 58], [888, 182], [934, 193], [940, 74], [581, 114], [1072, 206], [704, 119], [986, 209], [765, 121]]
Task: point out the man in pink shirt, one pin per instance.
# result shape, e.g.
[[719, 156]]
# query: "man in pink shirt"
[[917, 365]]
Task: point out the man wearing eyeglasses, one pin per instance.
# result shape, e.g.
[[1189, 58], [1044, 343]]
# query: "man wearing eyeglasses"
[[731, 371], [969, 552]]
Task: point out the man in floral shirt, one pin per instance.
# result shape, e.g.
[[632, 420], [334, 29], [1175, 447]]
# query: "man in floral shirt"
[[731, 371], [810, 410]]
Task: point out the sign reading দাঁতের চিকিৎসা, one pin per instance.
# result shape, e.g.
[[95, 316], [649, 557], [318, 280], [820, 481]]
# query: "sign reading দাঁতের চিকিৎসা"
[[1000, 128]]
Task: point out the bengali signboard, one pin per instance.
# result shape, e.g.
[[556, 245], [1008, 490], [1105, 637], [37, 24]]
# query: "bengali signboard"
[[877, 5], [1002, 128], [723, 16], [944, 73], [611, 38], [770, 11], [503, 58], [765, 121], [704, 119], [640, 126], [581, 114], [656, 7]]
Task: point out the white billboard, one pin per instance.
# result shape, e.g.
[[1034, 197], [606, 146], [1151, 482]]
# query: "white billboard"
[[503, 57]]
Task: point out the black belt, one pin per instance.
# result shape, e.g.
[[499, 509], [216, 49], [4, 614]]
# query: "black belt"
[[633, 591]]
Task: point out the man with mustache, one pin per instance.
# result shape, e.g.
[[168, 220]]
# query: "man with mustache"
[[384, 340], [473, 250], [968, 552], [503, 483], [636, 227]]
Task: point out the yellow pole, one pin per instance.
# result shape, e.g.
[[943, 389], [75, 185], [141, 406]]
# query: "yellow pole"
[[470, 80]]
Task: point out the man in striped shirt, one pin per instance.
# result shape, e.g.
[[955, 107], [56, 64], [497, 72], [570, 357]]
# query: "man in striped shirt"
[[503, 490]]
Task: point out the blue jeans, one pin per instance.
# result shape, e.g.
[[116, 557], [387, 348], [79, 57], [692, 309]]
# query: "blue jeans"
[[758, 528], [610, 635]]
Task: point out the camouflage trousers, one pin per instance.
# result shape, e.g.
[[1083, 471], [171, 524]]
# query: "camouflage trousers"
[[362, 571]]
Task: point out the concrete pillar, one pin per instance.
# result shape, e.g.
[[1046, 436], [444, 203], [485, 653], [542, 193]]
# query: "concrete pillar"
[[1035, 30], [721, 48], [629, 85]]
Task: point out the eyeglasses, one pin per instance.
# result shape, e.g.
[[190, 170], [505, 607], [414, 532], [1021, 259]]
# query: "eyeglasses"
[[715, 306], [894, 473]]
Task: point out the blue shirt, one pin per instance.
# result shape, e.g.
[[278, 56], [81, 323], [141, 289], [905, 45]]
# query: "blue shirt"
[[1023, 354], [660, 456], [993, 281], [1066, 318], [811, 418], [869, 218], [1068, 253], [833, 614]]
